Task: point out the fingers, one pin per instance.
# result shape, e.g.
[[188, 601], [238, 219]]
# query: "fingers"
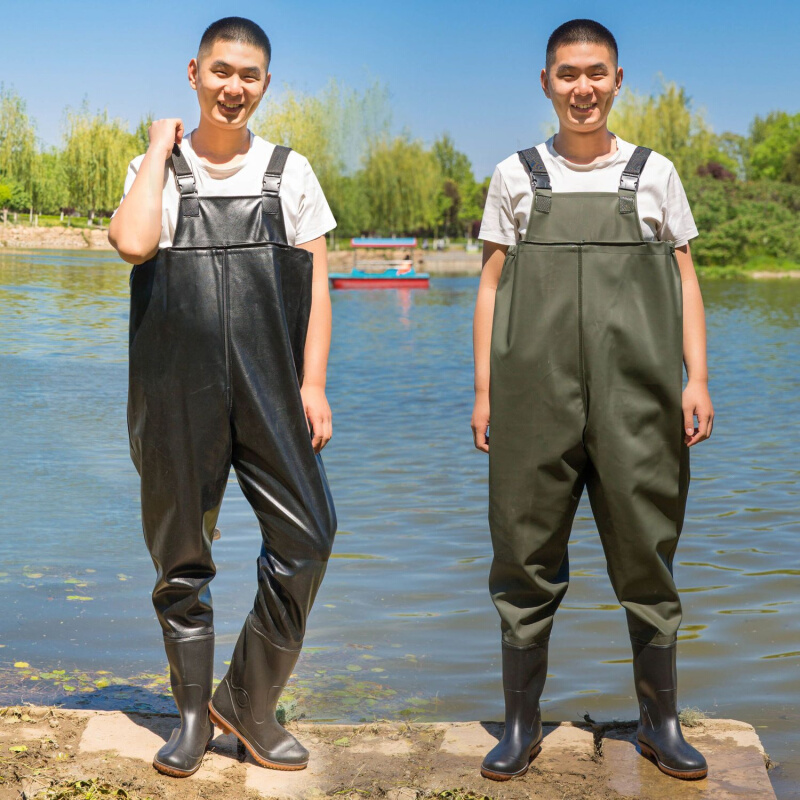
[[688, 423], [480, 436], [179, 131], [320, 426], [700, 431]]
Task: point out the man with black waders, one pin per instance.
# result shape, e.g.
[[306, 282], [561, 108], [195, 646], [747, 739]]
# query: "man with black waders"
[[229, 334], [587, 308]]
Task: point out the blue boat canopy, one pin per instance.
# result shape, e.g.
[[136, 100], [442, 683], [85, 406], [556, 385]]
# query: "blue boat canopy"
[[377, 241]]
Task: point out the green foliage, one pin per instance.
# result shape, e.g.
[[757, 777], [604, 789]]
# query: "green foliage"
[[18, 197], [402, 182], [459, 188], [17, 138], [96, 153], [775, 147], [742, 221], [333, 130], [49, 192], [668, 124], [141, 135]]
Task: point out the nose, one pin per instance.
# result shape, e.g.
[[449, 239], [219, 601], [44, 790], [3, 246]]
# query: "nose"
[[583, 86], [234, 85]]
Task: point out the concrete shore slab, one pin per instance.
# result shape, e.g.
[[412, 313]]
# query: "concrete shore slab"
[[398, 761]]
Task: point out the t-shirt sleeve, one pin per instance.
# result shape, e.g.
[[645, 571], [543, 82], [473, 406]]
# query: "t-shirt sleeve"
[[130, 177], [498, 224], [314, 216], [678, 225]]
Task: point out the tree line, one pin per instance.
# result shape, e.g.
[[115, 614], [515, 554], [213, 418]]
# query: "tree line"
[[744, 189]]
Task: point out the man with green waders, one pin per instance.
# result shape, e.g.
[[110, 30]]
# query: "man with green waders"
[[588, 307]]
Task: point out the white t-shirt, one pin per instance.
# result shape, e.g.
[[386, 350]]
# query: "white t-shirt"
[[664, 212], [306, 213]]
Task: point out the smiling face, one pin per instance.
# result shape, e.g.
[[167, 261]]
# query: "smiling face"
[[582, 84], [230, 79]]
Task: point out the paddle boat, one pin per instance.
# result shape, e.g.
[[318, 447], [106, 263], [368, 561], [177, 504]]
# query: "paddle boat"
[[398, 274]]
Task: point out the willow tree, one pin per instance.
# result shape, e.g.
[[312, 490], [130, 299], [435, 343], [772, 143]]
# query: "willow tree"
[[402, 182], [49, 191], [333, 129], [95, 156], [667, 122], [17, 138]]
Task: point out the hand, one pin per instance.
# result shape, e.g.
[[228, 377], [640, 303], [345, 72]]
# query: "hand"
[[480, 421], [318, 416], [697, 403], [163, 134]]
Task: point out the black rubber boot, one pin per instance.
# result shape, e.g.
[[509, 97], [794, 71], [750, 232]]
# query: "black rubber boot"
[[244, 703], [524, 674], [191, 671], [659, 733]]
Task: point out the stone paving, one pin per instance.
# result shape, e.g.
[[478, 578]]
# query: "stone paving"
[[448, 755]]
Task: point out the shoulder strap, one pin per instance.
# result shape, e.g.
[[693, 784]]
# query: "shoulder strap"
[[535, 168], [629, 182], [190, 206], [540, 180], [271, 187], [633, 169]]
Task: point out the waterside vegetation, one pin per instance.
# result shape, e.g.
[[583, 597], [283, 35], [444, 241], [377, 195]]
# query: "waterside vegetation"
[[744, 190]]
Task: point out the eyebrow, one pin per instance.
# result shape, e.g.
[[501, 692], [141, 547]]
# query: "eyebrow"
[[600, 67], [219, 64]]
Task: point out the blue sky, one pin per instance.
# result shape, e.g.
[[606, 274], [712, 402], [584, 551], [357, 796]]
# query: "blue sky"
[[469, 68]]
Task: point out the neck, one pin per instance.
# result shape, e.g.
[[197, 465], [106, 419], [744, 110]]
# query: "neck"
[[220, 145], [585, 148]]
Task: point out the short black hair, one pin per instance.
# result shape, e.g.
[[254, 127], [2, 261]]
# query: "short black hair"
[[580, 31], [235, 29]]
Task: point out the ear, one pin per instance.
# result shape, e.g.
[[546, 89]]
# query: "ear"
[[266, 84], [545, 83], [191, 72], [618, 81]]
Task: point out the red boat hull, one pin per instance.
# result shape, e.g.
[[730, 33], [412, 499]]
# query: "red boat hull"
[[380, 283]]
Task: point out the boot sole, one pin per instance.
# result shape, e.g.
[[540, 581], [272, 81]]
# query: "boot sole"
[[174, 772], [226, 727], [684, 775], [507, 776]]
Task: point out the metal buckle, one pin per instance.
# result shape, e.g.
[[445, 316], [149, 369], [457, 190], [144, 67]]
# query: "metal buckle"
[[271, 185], [629, 182], [185, 184]]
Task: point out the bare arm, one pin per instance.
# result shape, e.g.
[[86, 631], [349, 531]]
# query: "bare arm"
[[318, 343], [696, 398], [135, 229], [493, 258]]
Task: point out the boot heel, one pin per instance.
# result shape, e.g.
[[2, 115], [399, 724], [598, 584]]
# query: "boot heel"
[[647, 752], [218, 721]]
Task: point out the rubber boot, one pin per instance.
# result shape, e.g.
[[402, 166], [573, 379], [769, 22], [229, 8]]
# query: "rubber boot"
[[524, 674], [659, 733], [244, 703], [191, 672]]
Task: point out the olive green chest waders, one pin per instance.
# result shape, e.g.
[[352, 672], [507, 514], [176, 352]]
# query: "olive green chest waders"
[[586, 381], [217, 331]]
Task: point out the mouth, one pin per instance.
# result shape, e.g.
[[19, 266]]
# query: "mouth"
[[229, 108], [583, 108]]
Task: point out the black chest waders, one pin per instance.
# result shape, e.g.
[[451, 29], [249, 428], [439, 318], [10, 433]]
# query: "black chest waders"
[[217, 331], [586, 382]]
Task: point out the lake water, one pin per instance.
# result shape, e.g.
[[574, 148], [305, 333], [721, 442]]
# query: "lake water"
[[403, 624]]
